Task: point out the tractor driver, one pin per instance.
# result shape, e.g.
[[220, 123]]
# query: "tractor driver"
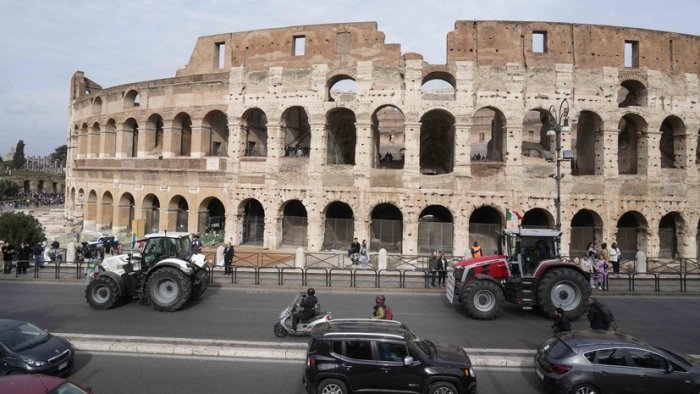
[[307, 308]]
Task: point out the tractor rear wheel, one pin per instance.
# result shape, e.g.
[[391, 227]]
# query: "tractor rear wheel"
[[563, 288], [168, 289], [483, 300], [200, 284], [102, 293]]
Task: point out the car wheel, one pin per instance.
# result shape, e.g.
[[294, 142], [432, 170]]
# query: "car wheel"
[[168, 289], [563, 288], [442, 388], [102, 293], [585, 388], [483, 300], [280, 331], [201, 283], [332, 386]]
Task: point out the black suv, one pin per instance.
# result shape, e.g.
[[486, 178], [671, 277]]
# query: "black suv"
[[365, 355]]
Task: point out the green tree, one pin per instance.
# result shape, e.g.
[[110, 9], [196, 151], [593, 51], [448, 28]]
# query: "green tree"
[[16, 227], [60, 154], [8, 188], [18, 159]]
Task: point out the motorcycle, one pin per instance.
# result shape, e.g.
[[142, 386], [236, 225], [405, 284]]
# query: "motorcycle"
[[283, 327]]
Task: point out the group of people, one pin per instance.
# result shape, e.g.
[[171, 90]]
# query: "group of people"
[[599, 317], [600, 261], [25, 200], [40, 253], [359, 253], [437, 267]]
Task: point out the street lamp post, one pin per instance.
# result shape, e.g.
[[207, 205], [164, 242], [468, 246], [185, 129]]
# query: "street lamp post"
[[559, 122]]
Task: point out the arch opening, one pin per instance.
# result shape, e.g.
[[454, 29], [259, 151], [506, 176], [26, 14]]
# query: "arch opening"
[[255, 126], [339, 226], [386, 228], [485, 224], [297, 132], [294, 224], [388, 137], [436, 230], [487, 137], [342, 137], [437, 143], [253, 231]]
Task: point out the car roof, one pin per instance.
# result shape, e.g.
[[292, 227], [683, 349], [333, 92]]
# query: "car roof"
[[167, 234], [28, 384], [600, 338], [360, 328]]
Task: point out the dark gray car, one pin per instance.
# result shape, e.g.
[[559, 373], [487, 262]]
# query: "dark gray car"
[[26, 348], [591, 362]]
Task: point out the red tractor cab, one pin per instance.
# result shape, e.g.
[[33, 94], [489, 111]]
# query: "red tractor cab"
[[529, 272]]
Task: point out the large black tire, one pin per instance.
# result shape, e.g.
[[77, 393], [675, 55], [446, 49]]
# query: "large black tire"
[[168, 289], [200, 284], [332, 386], [280, 332], [563, 288], [102, 293], [483, 300], [442, 388], [584, 388]]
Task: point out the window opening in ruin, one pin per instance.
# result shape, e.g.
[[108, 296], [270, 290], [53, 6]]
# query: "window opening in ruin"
[[297, 132], [386, 229], [132, 99], [342, 88], [584, 145], [253, 223], [632, 93], [668, 236], [537, 218], [438, 86], [586, 226], [97, 106], [255, 124], [631, 234], [216, 123], [151, 212], [178, 214], [299, 45], [631, 53], [629, 144], [339, 226], [435, 230], [539, 41], [491, 123], [220, 55], [437, 140], [485, 223], [211, 219], [342, 137], [185, 133], [294, 224], [388, 130]]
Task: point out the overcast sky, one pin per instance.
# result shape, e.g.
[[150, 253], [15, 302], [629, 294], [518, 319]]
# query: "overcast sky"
[[43, 42]]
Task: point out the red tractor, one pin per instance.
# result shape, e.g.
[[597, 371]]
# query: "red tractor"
[[530, 273]]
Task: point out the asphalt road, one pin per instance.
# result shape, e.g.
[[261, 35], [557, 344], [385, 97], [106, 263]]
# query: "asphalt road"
[[121, 373], [250, 313]]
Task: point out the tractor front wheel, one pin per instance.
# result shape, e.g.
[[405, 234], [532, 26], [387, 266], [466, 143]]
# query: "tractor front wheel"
[[563, 288], [102, 293], [483, 300], [168, 289]]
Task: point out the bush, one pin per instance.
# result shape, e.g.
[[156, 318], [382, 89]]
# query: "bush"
[[16, 227]]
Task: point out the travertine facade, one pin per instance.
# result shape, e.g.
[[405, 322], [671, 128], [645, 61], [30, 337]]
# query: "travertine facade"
[[281, 137]]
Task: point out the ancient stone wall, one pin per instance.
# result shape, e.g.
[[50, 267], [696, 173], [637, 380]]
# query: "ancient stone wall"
[[280, 136]]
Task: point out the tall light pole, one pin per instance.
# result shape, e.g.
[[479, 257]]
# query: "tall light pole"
[[559, 123]]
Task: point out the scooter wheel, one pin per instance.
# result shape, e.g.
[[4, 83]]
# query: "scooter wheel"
[[280, 331]]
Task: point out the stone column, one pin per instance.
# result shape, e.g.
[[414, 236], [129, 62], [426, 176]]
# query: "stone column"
[[82, 145], [315, 229], [363, 153], [201, 139], [649, 159], [93, 143], [512, 148], [317, 157], [147, 140], [275, 150], [123, 142], [461, 232], [107, 143], [410, 237], [463, 151], [171, 139], [411, 167], [606, 146]]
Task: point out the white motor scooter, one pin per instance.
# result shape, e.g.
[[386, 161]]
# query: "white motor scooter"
[[283, 327]]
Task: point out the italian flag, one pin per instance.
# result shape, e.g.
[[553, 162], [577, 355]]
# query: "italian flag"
[[512, 214]]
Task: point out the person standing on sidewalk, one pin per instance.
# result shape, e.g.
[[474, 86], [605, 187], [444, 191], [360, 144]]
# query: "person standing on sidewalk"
[[432, 267], [38, 252], [228, 258], [615, 257], [442, 269], [25, 253]]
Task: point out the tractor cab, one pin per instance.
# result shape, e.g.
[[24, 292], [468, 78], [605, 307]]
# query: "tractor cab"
[[527, 248]]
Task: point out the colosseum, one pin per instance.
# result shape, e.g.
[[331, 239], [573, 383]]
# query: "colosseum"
[[310, 136]]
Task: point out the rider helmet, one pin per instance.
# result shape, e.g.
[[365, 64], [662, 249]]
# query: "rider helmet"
[[380, 299], [310, 291]]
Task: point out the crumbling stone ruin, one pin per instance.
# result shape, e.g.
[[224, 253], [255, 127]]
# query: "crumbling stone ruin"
[[313, 135]]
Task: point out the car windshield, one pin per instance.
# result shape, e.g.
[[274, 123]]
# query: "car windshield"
[[23, 336], [424, 346], [67, 388]]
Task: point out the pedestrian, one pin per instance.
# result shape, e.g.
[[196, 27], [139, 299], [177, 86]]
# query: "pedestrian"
[[381, 310], [432, 267], [38, 252], [228, 258], [354, 251], [615, 257], [8, 252], [596, 316], [197, 244], [364, 254], [590, 260], [23, 256], [442, 269], [476, 249], [601, 267], [561, 322]]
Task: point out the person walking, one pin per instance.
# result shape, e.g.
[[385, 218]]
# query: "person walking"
[[23, 256], [381, 310], [228, 258], [596, 315], [38, 253], [561, 322], [442, 269], [615, 257], [476, 249], [590, 260], [601, 267], [432, 268]]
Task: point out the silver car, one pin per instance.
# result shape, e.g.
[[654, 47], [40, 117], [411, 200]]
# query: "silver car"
[[591, 362]]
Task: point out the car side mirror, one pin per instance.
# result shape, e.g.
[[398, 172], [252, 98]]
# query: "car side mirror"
[[408, 360]]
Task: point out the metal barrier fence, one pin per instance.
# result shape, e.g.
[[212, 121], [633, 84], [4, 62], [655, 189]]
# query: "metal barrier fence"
[[325, 269]]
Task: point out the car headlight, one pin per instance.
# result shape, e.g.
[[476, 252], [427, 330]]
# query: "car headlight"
[[34, 363], [469, 372]]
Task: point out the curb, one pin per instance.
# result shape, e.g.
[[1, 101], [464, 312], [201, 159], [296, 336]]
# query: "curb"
[[504, 358]]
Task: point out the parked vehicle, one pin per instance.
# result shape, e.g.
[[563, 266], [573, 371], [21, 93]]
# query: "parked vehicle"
[[166, 273], [530, 273], [39, 384], [367, 355], [588, 362], [283, 327], [26, 348]]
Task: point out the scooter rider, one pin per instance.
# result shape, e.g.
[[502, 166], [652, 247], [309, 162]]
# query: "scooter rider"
[[307, 308]]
